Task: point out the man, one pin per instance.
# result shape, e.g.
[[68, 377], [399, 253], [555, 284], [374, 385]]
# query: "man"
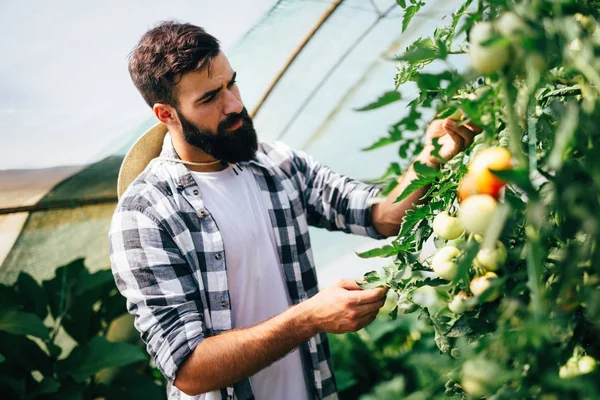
[[210, 246]]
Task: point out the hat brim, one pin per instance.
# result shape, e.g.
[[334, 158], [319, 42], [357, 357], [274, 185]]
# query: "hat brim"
[[144, 150]]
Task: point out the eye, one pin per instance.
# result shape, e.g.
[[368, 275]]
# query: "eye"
[[209, 100], [233, 82]]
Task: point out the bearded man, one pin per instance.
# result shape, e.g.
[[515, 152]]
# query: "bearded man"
[[209, 243]]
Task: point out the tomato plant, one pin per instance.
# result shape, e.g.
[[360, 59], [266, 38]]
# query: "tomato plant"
[[518, 314]]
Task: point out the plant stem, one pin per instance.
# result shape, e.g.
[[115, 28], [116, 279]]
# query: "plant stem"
[[515, 137]]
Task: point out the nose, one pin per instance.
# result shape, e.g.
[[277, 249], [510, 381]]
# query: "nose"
[[232, 104]]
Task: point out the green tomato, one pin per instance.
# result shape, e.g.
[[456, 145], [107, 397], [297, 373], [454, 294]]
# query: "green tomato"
[[491, 259], [510, 25], [569, 370], [476, 213], [587, 364], [444, 262], [457, 305], [480, 284], [478, 377], [486, 59], [446, 226]]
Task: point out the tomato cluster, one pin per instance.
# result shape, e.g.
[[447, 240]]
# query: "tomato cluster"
[[477, 209]]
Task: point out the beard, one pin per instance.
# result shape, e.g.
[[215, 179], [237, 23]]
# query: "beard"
[[228, 146]]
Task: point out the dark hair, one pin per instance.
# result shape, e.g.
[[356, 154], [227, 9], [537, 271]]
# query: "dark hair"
[[164, 54]]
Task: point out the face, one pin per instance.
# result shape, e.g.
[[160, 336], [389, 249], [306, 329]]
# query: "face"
[[212, 115]]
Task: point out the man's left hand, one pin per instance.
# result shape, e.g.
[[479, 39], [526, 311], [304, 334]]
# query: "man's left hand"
[[453, 137]]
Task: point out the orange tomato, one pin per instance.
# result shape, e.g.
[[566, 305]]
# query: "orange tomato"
[[494, 158], [467, 187]]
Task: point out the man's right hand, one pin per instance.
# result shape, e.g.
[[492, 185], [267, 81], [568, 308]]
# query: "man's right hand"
[[345, 307]]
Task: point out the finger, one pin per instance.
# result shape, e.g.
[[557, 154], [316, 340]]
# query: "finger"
[[449, 128], [347, 284], [369, 296], [366, 320], [476, 129], [370, 308], [467, 136]]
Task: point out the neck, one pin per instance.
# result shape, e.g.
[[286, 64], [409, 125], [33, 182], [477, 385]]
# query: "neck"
[[187, 152]]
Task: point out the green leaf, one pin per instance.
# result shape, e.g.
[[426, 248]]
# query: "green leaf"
[[23, 323], [381, 142], [519, 178], [134, 386], [564, 136], [387, 250], [460, 328], [17, 386], [81, 321], [413, 186], [84, 361], [33, 297], [383, 100], [442, 342], [426, 170], [60, 288], [88, 281], [46, 386], [401, 3], [372, 276], [419, 55], [409, 13], [415, 216], [25, 352]]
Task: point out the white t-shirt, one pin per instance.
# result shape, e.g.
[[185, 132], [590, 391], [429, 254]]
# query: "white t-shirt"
[[256, 283]]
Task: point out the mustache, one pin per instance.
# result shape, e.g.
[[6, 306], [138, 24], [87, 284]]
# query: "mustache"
[[233, 119]]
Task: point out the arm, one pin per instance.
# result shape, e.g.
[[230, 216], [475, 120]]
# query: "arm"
[[164, 297], [387, 215], [221, 360]]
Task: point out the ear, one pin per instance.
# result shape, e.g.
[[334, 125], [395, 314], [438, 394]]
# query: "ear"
[[165, 114]]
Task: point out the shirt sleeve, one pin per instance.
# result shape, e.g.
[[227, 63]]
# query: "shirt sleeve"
[[161, 291], [334, 201]]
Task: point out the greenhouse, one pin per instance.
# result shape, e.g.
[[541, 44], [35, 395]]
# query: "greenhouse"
[[477, 120]]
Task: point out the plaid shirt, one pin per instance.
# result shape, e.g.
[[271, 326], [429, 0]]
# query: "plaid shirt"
[[168, 259]]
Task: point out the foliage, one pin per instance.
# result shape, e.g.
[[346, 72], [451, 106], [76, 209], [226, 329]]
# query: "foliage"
[[543, 105], [36, 361]]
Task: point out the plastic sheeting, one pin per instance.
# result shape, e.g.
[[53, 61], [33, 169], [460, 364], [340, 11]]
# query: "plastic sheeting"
[[344, 66]]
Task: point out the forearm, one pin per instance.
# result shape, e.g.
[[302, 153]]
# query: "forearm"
[[388, 214], [222, 360]]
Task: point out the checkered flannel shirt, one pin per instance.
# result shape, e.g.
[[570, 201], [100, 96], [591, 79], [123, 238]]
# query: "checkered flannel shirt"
[[168, 259]]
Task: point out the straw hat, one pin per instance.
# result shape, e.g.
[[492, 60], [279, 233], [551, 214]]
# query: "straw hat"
[[144, 150]]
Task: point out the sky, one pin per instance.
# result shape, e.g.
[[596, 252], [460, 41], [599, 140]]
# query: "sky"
[[65, 93]]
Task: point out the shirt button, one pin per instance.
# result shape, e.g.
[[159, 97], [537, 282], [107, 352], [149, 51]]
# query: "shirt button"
[[218, 256], [203, 214], [224, 304], [196, 193]]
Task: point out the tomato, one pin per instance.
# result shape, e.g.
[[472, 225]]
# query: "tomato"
[[486, 59], [570, 369], [495, 158], [476, 213], [444, 262], [478, 377], [480, 284], [466, 188], [510, 25], [587, 364], [446, 226], [491, 259]]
